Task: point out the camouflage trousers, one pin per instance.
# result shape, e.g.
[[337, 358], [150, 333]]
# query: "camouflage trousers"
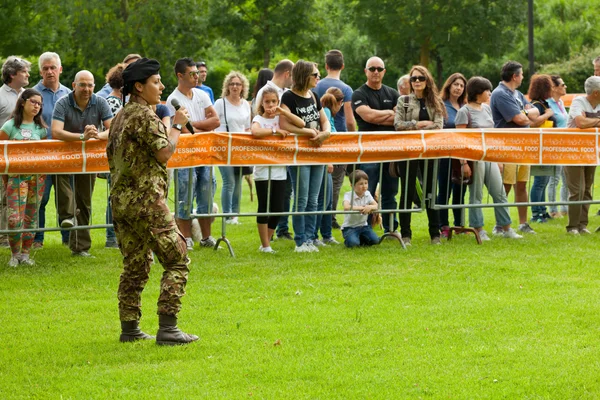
[[139, 236]]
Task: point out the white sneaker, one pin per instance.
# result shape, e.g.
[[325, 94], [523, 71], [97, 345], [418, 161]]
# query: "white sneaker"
[[511, 234], [302, 249], [318, 243], [208, 242], [13, 262], [266, 250], [67, 223], [573, 232], [312, 247], [330, 240], [27, 261], [233, 221], [498, 231], [584, 231], [189, 243], [484, 236], [525, 228]]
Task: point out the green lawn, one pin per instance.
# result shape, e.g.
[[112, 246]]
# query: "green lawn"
[[508, 319]]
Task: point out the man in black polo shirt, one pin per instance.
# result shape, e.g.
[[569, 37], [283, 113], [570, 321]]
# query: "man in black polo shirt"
[[79, 116], [374, 106]]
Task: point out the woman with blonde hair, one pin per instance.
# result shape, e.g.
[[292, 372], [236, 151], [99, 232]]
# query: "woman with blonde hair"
[[234, 113]]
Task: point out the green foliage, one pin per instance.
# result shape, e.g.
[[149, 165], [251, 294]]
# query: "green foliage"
[[575, 70]]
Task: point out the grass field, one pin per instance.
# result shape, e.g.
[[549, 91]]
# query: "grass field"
[[505, 320]]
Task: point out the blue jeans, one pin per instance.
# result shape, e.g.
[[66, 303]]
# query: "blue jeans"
[[306, 181], [389, 190], [283, 226], [324, 221], [203, 190], [564, 191], [362, 235], [488, 174], [231, 190], [538, 195], [39, 236]]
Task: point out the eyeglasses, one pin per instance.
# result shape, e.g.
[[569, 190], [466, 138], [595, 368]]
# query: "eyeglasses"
[[419, 78], [378, 69], [86, 85], [194, 73], [235, 84], [35, 102]]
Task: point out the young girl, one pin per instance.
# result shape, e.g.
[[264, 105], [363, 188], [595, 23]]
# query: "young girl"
[[332, 101], [265, 124], [24, 192]]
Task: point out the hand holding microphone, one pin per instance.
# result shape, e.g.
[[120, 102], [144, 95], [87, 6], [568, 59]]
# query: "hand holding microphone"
[[181, 116]]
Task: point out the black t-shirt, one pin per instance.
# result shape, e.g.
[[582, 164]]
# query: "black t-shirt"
[[423, 114], [305, 108], [382, 99], [542, 107]]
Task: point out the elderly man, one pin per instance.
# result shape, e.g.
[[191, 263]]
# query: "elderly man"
[[15, 75], [403, 85], [584, 113], [79, 116], [374, 106], [51, 90]]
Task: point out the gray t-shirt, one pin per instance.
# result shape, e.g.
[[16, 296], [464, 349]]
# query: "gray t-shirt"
[[8, 101], [579, 105], [478, 118], [96, 112]]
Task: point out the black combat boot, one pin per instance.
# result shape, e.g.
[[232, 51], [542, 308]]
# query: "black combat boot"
[[130, 332], [169, 334]]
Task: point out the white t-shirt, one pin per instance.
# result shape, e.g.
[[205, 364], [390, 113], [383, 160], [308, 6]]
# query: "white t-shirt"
[[238, 117], [356, 220], [196, 106], [262, 173], [579, 105]]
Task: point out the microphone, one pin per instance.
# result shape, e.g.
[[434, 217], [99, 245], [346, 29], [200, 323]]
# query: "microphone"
[[177, 106]]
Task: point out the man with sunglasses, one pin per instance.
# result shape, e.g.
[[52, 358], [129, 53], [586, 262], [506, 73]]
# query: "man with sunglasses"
[[78, 117], [15, 76], [203, 71], [203, 117], [374, 106]]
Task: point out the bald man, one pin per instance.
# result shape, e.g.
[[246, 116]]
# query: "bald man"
[[78, 117], [374, 106]]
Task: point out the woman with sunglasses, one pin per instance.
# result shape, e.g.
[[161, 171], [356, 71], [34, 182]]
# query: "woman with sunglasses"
[[454, 96], [234, 114], [306, 179], [24, 192], [422, 109]]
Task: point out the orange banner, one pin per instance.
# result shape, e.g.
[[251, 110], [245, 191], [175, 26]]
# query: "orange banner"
[[513, 146]]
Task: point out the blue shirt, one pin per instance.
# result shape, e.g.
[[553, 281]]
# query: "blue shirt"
[[330, 118], [449, 120], [105, 91], [208, 91], [321, 88], [50, 98], [560, 114], [506, 105]]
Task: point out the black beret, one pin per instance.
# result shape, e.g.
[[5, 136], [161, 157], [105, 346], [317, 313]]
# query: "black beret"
[[138, 71]]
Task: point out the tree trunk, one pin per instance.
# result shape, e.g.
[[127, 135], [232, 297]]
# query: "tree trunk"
[[266, 57], [424, 60], [124, 10], [439, 70]]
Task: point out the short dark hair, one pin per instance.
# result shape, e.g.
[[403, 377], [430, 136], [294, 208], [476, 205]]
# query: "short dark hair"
[[182, 64], [540, 87], [114, 77], [358, 175], [264, 75], [509, 69], [283, 66], [201, 64], [476, 86], [334, 59]]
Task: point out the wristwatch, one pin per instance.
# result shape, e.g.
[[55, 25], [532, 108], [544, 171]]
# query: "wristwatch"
[[273, 130], [81, 137], [177, 126]]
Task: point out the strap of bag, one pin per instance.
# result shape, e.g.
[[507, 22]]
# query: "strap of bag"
[[225, 114]]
